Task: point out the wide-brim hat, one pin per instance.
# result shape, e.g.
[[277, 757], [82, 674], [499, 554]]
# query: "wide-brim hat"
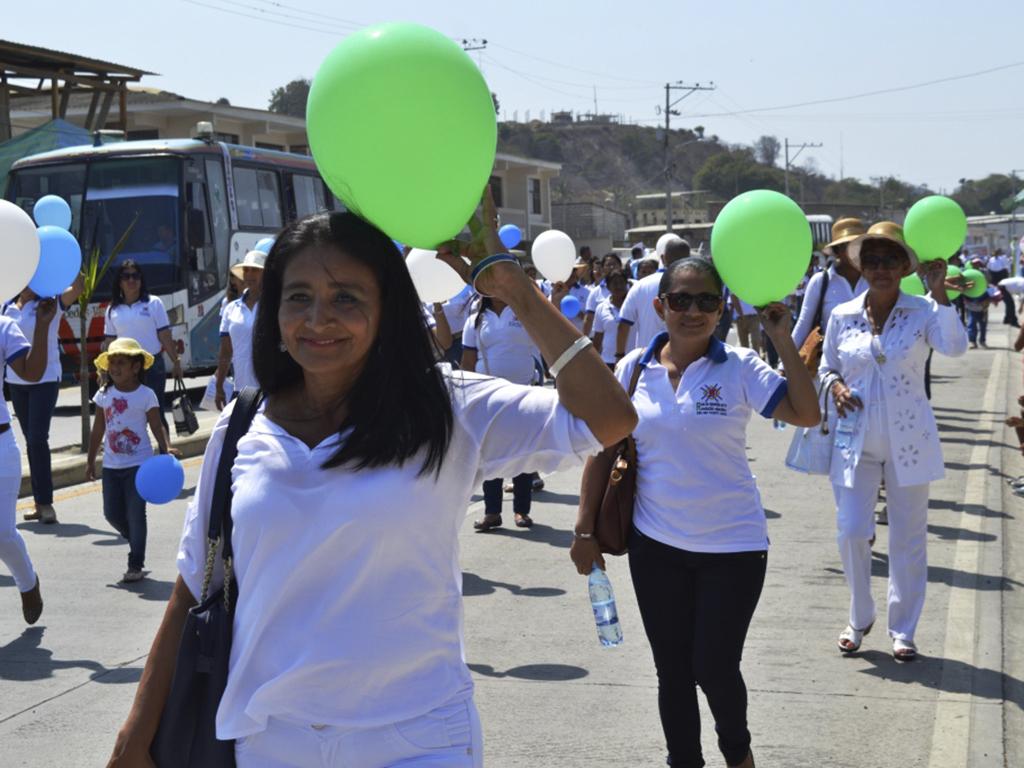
[[257, 259], [124, 346], [844, 231], [890, 232]]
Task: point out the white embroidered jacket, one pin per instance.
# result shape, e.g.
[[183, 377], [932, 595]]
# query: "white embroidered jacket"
[[915, 325]]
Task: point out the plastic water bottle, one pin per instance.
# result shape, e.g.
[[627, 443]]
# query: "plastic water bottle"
[[778, 425], [602, 600], [846, 426]]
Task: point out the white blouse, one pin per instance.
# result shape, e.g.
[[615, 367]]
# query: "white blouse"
[[839, 292], [889, 373], [350, 591]]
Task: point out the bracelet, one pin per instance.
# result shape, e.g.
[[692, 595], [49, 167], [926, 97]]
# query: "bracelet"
[[566, 357], [490, 261], [584, 536]]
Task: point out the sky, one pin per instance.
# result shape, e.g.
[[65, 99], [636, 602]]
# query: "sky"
[[763, 59]]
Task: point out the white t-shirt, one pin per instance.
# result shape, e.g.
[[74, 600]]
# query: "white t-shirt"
[[140, 321], [1000, 263], [126, 443], [638, 310], [13, 345], [26, 320], [503, 347], [236, 322], [598, 293], [339, 620], [694, 486], [606, 321]]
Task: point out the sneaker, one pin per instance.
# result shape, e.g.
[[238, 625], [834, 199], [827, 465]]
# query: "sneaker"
[[133, 574], [882, 517], [32, 603]]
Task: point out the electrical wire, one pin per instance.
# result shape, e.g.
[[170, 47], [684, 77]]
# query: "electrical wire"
[[333, 33], [350, 22], [645, 83]]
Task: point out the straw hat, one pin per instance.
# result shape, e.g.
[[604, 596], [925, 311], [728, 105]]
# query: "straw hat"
[[890, 232], [255, 259], [844, 231], [124, 346]]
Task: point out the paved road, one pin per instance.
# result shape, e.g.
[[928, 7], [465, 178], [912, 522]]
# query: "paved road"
[[549, 695]]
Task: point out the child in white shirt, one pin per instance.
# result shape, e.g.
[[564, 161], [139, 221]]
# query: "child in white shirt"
[[124, 408]]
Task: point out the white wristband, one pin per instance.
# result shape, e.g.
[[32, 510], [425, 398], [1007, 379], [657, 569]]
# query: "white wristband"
[[566, 357]]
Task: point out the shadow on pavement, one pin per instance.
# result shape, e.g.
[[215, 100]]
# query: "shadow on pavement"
[[186, 493], [556, 537], [6, 581], [964, 678], [551, 497], [944, 427], [147, 589], [970, 509], [474, 586], [948, 576], [771, 515], [956, 465], [950, 533], [66, 530], [550, 672], [26, 659]]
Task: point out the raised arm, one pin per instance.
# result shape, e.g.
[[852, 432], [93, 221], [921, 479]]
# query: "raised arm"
[[812, 297], [800, 405], [31, 367]]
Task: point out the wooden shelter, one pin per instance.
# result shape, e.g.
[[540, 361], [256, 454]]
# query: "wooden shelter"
[[28, 71]]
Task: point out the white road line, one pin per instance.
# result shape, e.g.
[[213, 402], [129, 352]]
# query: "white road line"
[[951, 735]]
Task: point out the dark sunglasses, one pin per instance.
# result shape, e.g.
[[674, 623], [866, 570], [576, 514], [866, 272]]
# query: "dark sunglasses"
[[681, 302], [131, 276], [874, 261]]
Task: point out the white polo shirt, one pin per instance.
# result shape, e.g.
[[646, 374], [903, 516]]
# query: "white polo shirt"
[[582, 294], [503, 347], [25, 317], [598, 293], [236, 322], [350, 592], [638, 310], [140, 321], [457, 308], [13, 345], [606, 321], [695, 490]]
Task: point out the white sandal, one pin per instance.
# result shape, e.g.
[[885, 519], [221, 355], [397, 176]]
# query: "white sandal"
[[903, 650], [853, 638]]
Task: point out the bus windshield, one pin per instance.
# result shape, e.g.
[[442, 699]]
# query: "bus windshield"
[[144, 191]]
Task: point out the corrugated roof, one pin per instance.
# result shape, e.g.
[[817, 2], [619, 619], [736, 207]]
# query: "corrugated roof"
[[14, 55]]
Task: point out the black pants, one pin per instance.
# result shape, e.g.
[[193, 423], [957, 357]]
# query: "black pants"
[[522, 494], [696, 608], [1009, 310]]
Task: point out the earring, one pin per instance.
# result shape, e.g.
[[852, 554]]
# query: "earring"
[[282, 347]]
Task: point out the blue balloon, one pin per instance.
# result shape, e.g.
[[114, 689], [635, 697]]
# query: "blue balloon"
[[510, 235], [60, 259], [52, 211], [160, 479], [264, 245], [571, 307]]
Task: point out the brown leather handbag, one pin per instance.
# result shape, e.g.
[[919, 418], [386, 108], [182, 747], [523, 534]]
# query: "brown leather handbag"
[[814, 344], [615, 518]]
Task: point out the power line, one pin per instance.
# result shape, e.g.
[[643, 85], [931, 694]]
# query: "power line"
[[355, 24], [266, 20], [576, 69]]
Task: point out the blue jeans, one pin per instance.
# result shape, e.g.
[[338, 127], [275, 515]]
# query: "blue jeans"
[[522, 494], [977, 326], [125, 510], [34, 405], [156, 379]]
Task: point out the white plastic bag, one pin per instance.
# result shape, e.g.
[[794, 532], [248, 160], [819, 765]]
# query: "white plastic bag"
[[209, 401]]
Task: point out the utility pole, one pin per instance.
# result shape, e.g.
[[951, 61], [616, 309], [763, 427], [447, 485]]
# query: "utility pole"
[[678, 85], [799, 148], [475, 44]]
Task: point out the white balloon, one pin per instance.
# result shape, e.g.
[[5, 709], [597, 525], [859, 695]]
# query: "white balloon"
[[554, 255], [19, 249], [435, 281], [663, 241]]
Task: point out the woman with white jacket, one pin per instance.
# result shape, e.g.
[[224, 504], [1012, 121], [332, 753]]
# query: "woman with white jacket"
[[875, 348]]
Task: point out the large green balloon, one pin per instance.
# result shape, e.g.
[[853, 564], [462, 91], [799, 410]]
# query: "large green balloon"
[[980, 284], [402, 128], [913, 285], [761, 244], [952, 271], [935, 227]]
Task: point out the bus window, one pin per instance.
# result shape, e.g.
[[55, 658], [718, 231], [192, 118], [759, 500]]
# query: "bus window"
[[309, 195], [144, 190], [219, 221], [257, 198], [203, 278], [68, 181]]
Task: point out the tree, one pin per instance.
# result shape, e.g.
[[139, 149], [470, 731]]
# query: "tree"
[[978, 197], [497, 104], [223, 101], [291, 99], [729, 173], [766, 150]]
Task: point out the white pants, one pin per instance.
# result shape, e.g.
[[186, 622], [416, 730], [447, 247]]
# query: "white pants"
[[908, 531], [12, 547], [447, 737]]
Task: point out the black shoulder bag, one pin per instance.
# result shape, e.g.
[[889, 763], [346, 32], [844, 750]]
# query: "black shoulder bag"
[[187, 735]]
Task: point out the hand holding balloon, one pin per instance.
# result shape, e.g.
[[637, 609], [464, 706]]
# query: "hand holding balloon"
[[776, 320], [936, 280], [46, 310]]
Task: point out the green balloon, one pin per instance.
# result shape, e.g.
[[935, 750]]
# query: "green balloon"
[[402, 128], [761, 244], [952, 271], [913, 285], [980, 284], [935, 227]]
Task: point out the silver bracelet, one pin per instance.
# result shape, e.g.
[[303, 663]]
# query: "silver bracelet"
[[566, 357], [584, 536]]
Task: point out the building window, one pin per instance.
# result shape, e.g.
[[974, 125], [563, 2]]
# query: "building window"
[[258, 198], [535, 206], [497, 191]]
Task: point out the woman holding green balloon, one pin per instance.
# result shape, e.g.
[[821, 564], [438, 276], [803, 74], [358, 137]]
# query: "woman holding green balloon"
[[875, 351]]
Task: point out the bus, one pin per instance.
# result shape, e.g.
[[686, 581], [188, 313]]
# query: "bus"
[[198, 206], [821, 229]]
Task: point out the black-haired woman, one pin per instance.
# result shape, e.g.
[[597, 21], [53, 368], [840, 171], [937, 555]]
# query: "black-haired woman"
[[348, 495], [698, 551], [135, 314], [495, 343]]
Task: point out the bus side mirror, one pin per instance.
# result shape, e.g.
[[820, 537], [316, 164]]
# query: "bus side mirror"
[[196, 228]]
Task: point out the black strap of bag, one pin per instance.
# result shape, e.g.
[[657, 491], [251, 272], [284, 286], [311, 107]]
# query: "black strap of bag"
[[821, 303]]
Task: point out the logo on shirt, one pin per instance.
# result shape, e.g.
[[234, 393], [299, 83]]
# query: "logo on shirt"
[[711, 401]]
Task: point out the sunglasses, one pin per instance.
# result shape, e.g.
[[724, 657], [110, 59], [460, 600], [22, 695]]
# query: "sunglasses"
[[875, 261], [131, 276], [681, 302]]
